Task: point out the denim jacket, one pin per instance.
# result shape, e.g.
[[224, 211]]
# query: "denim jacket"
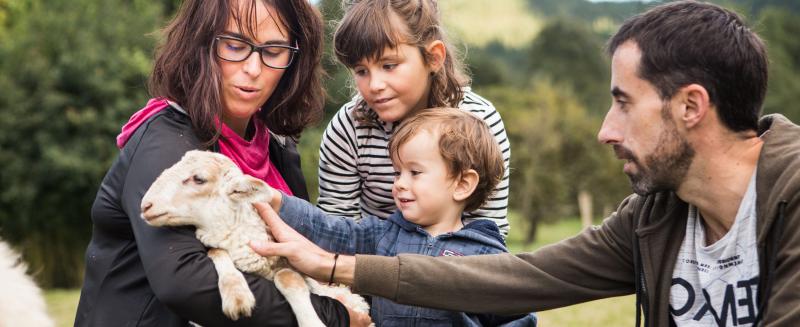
[[395, 235]]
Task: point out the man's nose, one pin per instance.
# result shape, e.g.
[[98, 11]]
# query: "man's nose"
[[610, 131]]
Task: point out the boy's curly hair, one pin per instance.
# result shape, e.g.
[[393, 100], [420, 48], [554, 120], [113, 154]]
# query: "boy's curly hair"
[[465, 142]]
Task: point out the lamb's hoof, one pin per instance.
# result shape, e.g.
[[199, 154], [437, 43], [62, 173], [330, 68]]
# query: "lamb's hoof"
[[237, 299]]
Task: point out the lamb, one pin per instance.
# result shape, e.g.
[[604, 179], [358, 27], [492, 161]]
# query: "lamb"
[[21, 302], [208, 191]]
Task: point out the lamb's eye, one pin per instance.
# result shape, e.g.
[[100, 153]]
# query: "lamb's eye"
[[197, 179]]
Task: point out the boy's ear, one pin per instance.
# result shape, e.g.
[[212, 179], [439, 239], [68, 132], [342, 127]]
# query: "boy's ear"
[[465, 185], [437, 52], [243, 187]]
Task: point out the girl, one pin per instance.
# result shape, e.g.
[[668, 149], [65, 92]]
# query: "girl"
[[229, 74], [401, 63]]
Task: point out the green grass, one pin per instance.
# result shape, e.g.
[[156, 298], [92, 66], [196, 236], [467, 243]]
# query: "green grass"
[[608, 312], [61, 304], [547, 233], [619, 311]]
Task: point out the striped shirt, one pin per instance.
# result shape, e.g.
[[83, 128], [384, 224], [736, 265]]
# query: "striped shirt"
[[356, 173]]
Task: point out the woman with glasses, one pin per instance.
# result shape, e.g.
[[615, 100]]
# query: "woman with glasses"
[[238, 77]]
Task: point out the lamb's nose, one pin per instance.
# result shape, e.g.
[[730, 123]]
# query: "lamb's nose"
[[146, 206]]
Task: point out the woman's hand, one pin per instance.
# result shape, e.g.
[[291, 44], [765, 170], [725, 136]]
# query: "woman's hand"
[[357, 319], [302, 254]]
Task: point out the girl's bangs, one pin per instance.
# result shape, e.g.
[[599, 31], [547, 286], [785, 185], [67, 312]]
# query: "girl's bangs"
[[365, 33]]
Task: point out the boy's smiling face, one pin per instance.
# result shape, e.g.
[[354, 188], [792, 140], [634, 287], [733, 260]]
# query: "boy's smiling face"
[[423, 188]]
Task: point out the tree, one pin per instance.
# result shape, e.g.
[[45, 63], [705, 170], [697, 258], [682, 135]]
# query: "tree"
[[485, 68], [588, 10], [779, 28], [72, 74], [555, 155], [338, 84], [568, 53]]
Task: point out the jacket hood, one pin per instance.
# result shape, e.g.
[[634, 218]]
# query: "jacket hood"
[[482, 231], [778, 167], [152, 107]]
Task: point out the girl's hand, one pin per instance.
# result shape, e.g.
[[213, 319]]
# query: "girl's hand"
[[302, 254]]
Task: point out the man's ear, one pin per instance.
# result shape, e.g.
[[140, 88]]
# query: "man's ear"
[[696, 104], [243, 187], [465, 185], [437, 53]]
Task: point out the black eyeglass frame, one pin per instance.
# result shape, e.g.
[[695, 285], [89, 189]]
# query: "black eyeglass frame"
[[294, 50]]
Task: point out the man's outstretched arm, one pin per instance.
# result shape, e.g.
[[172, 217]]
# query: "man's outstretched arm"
[[595, 264]]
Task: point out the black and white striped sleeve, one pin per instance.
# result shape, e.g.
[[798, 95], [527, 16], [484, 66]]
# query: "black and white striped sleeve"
[[339, 180], [496, 207]]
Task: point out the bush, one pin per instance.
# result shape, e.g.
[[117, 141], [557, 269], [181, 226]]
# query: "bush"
[[72, 74]]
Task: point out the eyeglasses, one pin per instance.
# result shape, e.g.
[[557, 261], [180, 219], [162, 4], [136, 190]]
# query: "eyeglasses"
[[235, 49]]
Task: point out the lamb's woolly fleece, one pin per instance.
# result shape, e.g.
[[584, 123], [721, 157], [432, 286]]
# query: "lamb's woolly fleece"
[[21, 302]]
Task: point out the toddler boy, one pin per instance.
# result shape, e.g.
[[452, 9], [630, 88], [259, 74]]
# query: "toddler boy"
[[446, 162]]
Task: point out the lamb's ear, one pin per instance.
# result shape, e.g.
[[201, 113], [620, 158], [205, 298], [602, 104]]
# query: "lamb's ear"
[[245, 186]]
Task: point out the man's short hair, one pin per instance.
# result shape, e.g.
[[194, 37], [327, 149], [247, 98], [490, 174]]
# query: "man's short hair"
[[465, 142], [688, 42]]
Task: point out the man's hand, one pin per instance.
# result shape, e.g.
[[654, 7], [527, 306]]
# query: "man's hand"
[[306, 256], [275, 199], [302, 254]]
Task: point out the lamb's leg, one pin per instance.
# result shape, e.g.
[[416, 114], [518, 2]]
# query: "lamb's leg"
[[340, 292], [237, 298], [294, 288]]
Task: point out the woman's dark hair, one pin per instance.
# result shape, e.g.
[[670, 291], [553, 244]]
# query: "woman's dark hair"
[[187, 72], [688, 42]]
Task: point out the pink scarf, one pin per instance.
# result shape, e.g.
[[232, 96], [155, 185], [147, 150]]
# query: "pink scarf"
[[252, 156]]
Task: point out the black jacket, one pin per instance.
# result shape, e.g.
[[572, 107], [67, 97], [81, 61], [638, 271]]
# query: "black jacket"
[[138, 275]]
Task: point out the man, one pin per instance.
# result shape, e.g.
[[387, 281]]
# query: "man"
[[712, 235]]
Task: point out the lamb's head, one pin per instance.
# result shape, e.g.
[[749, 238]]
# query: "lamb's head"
[[204, 189]]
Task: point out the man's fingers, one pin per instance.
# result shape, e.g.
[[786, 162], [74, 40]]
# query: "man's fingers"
[[264, 211], [270, 248], [277, 227]]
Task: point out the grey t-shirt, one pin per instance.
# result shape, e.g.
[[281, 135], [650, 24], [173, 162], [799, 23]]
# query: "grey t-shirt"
[[716, 285]]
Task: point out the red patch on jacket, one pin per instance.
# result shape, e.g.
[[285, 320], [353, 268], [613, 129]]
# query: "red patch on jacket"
[[451, 253]]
